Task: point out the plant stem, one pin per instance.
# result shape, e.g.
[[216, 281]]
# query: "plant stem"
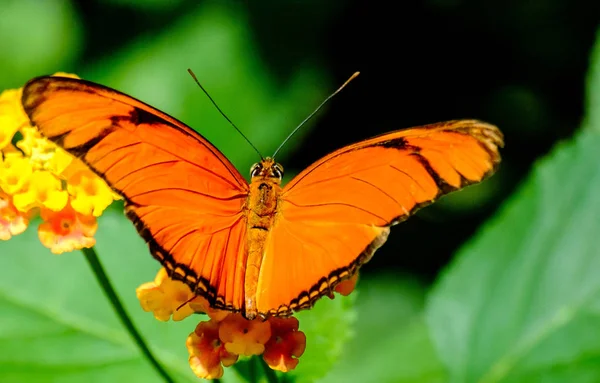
[[269, 373], [109, 291], [252, 370]]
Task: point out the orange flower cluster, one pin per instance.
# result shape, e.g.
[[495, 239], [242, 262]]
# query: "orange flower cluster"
[[219, 341], [39, 178]]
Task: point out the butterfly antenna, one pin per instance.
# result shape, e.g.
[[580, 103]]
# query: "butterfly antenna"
[[223, 114], [315, 112]]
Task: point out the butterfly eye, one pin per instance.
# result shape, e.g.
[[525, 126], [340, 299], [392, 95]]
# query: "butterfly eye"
[[277, 171], [255, 170]]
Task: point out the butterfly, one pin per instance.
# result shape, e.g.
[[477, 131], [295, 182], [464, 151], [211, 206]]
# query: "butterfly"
[[258, 247]]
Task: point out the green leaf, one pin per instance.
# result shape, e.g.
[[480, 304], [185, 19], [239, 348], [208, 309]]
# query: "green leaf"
[[328, 327], [215, 41], [392, 342], [592, 115], [522, 301], [56, 325]]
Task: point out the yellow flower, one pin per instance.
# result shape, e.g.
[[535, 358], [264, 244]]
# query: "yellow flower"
[[7, 130], [12, 221], [244, 337], [201, 305], [42, 153], [90, 193], [37, 175], [12, 115], [66, 230], [15, 171], [43, 190], [165, 297]]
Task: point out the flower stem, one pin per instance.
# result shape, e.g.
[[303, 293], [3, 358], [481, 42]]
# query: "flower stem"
[[269, 373], [109, 291], [252, 370]]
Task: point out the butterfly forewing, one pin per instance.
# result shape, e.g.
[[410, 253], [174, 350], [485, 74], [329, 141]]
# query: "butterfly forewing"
[[183, 195]]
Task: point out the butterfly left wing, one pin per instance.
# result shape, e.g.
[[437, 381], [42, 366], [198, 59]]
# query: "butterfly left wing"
[[334, 215], [183, 195]]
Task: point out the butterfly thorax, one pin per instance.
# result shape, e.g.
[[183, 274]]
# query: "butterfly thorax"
[[261, 207]]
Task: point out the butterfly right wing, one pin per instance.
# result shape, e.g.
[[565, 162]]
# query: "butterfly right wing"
[[184, 197], [334, 215]]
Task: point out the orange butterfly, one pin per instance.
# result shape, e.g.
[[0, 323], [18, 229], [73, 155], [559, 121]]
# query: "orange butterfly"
[[258, 248]]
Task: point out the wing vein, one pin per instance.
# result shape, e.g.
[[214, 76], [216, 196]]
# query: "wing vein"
[[338, 204], [230, 198], [384, 192]]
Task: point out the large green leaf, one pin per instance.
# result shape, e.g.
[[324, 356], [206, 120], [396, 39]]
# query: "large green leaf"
[[592, 119], [522, 301], [391, 342]]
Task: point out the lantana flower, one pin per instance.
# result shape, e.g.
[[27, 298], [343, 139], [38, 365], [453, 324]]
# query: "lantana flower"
[[12, 221], [165, 298], [222, 337], [39, 178], [285, 345], [66, 230]]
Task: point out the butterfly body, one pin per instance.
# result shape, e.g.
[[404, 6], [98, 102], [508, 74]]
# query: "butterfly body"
[[261, 206], [256, 247]]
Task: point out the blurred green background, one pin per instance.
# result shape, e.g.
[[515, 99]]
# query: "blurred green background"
[[519, 303]]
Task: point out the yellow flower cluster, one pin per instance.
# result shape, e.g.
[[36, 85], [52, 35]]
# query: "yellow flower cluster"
[[219, 341], [39, 178]]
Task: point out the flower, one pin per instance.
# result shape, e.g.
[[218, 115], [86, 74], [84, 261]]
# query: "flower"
[[15, 171], [286, 344], [90, 193], [347, 286], [244, 337], [166, 297], [66, 230], [37, 176], [207, 352], [225, 336], [43, 154], [12, 115], [201, 305], [43, 189], [12, 221]]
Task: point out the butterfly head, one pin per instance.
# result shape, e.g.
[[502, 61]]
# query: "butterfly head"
[[267, 168]]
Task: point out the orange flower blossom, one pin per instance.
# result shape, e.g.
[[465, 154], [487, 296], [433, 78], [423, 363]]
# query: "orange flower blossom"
[[223, 337]]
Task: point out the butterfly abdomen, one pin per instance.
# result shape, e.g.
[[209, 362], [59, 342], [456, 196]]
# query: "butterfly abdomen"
[[261, 207]]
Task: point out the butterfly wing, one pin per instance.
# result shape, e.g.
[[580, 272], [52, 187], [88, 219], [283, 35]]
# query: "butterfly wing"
[[183, 195], [336, 213]]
